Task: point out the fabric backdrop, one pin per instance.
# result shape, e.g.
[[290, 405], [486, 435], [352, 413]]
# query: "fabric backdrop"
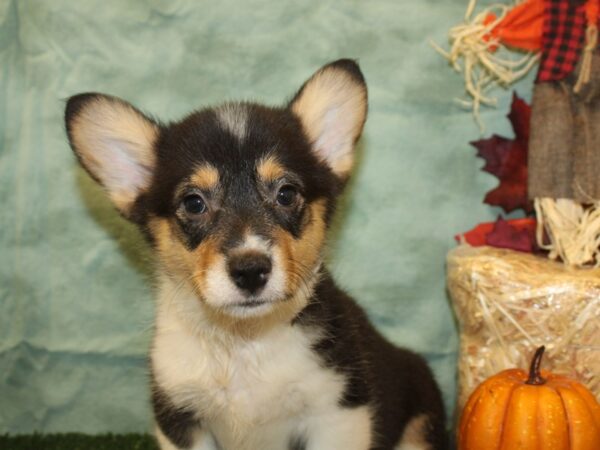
[[75, 279]]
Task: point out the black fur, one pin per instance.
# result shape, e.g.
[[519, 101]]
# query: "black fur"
[[395, 381], [176, 424], [297, 443], [200, 138]]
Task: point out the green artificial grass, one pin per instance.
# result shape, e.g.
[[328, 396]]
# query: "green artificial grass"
[[76, 441]]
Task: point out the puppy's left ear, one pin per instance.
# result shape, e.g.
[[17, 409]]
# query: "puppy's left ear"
[[332, 106]]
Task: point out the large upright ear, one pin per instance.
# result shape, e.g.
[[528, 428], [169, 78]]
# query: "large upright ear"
[[114, 142], [332, 106]]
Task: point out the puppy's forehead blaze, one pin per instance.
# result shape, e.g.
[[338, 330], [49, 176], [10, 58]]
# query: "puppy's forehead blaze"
[[269, 169], [205, 176]]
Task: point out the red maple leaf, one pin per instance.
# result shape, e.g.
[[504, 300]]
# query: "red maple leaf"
[[507, 159], [518, 234], [505, 235]]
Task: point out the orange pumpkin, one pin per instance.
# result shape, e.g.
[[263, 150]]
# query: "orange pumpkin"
[[516, 410]]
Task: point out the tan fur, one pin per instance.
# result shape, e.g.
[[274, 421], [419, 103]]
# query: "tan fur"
[[414, 435], [100, 126], [269, 169], [193, 266], [302, 255], [177, 259], [332, 108], [204, 256], [308, 249], [172, 254], [205, 177]]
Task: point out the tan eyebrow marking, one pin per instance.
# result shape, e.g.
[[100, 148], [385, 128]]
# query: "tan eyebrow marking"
[[205, 177], [269, 169]]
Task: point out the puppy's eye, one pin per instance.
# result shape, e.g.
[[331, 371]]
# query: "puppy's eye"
[[194, 204], [287, 194]]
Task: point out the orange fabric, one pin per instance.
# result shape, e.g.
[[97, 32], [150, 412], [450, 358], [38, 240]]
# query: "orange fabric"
[[591, 11], [522, 26]]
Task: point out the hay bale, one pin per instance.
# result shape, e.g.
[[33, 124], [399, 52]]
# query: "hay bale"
[[508, 303]]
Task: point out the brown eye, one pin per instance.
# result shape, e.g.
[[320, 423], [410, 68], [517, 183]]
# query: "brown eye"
[[287, 194], [194, 205]]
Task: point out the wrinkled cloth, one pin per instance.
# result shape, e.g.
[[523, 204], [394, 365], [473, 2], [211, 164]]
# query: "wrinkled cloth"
[[76, 300]]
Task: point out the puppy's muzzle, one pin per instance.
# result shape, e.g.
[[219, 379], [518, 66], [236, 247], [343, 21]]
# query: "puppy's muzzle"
[[249, 271]]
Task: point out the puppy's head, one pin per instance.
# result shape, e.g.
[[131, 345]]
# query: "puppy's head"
[[236, 199]]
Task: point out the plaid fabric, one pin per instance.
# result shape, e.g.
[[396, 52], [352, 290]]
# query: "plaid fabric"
[[562, 39]]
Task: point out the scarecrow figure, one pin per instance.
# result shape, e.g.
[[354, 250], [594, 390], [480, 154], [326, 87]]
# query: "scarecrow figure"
[[564, 142]]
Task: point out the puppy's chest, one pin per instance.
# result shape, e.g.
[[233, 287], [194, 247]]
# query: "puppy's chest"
[[239, 384]]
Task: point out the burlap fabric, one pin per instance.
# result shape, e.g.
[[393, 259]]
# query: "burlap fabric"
[[564, 143]]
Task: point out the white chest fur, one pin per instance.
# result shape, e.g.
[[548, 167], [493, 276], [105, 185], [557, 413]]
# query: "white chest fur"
[[250, 393]]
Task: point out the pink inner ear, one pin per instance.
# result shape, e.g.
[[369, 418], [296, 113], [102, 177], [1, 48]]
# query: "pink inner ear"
[[115, 144], [335, 141], [120, 170], [332, 107]]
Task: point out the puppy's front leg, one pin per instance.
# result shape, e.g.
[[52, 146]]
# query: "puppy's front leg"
[[344, 429], [178, 428], [202, 440]]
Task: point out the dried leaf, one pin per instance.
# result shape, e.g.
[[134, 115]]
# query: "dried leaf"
[[478, 236], [504, 235], [507, 160]]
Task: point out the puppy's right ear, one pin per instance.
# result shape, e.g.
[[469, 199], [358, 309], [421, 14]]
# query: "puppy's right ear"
[[114, 142]]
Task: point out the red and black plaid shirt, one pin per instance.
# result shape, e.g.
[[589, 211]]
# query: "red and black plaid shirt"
[[562, 39]]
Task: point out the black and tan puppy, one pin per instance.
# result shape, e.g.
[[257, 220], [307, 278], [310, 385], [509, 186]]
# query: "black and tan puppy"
[[255, 348]]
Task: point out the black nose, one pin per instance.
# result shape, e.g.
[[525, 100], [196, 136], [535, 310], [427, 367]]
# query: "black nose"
[[249, 271]]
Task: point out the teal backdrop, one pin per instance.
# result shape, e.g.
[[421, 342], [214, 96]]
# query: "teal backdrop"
[[76, 279]]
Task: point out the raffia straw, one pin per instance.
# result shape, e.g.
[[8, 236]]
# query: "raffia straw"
[[508, 303], [573, 231], [478, 59], [591, 42], [470, 9]]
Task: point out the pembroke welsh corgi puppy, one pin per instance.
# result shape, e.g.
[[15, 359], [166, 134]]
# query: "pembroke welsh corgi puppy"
[[255, 348]]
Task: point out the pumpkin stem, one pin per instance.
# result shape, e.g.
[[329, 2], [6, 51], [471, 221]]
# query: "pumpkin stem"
[[534, 370]]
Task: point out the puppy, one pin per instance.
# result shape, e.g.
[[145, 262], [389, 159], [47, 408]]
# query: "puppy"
[[255, 348]]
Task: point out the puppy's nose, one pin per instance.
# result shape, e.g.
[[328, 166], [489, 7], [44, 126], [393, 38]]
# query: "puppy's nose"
[[249, 271]]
